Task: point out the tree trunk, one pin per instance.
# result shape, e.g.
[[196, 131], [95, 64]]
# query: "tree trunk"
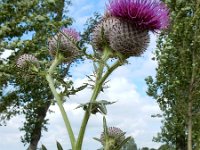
[[36, 134], [190, 102], [189, 143], [181, 142]]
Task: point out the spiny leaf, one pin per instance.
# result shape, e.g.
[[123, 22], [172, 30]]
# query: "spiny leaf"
[[43, 147], [105, 127], [123, 143], [59, 146], [103, 109], [97, 139], [98, 106]]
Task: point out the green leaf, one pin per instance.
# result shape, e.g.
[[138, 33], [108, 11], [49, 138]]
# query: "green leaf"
[[40, 18], [51, 1], [95, 67], [123, 143], [59, 147], [98, 106], [43, 147], [102, 109], [81, 106], [97, 139], [105, 127]]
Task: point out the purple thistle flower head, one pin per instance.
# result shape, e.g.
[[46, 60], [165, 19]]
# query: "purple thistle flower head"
[[145, 14], [71, 32]]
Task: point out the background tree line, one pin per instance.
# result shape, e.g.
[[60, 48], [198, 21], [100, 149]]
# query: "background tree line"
[[176, 86]]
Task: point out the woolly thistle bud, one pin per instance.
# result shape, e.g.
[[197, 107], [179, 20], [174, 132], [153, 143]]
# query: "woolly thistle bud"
[[101, 33], [121, 36], [114, 137], [23, 60], [128, 40], [64, 42]]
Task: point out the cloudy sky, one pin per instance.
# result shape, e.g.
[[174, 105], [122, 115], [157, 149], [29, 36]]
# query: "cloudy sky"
[[132, 112]]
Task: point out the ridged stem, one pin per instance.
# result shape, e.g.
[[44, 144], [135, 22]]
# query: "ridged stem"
[[59, 100], [100, 79]]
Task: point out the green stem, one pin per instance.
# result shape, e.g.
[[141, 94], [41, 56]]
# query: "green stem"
[[109, 144], [99, 81], [110, 70], [97, 88], [60, 101]]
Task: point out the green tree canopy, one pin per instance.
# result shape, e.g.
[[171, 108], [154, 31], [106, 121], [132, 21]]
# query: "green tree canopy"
[[25, 27], [130, 145], [176, 85]]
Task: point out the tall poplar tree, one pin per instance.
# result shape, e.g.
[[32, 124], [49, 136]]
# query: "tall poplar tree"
[[176, 86]]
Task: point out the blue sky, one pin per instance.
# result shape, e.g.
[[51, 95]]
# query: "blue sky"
[[132, 113]]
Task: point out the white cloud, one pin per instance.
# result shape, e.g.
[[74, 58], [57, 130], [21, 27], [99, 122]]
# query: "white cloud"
[[6, 54], [10, 134]]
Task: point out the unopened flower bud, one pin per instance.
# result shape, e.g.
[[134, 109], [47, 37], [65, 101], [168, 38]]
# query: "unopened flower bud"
[[121, 36], [114, 137], [101, 33], [25, 59], [128, 40], [65, 42]]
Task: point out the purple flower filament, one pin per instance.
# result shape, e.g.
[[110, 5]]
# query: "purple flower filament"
[[145, 14], [71, 32]]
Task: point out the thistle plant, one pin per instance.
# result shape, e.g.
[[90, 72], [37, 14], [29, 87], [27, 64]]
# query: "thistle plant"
[[122, 32]]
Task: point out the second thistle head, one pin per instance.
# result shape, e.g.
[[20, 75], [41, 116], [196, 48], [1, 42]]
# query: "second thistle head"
[[64, 42], [24, 60]]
